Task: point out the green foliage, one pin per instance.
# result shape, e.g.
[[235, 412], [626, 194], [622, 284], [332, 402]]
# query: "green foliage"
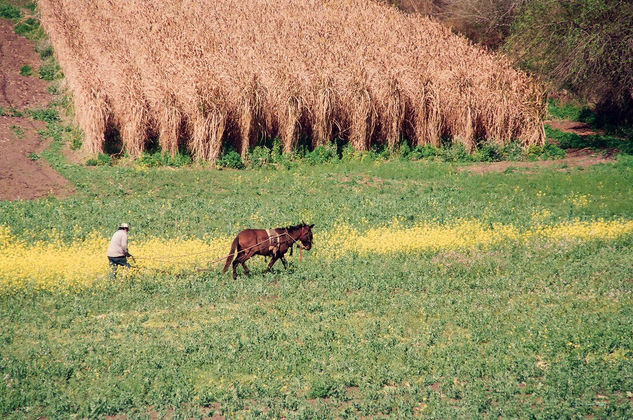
[[102, 159], [321, 154], [404, 151], [340, 338], [570, 111], [18, 131], [489, 152], [50, 71], [454, 153], [26, 27], [75, 139], [425, 151], [596, 141], [583, 46], [276, 153], [34, 156], [26, 70], [14, 112], [260, 157], [513, 151], [48, 115], [157, 159], [9, 11], [348, 153], [230, 159], [45, 52]]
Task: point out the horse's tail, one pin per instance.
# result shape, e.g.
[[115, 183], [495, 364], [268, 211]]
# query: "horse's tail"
[[229, 258]]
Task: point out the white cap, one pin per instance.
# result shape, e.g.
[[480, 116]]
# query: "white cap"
[[124, 226]]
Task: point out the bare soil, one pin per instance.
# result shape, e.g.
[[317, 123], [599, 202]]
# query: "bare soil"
[[575, 158], [23, 175], [574, 127]]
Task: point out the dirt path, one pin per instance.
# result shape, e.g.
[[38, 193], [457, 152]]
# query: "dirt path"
[[575, 158], [23, 175]]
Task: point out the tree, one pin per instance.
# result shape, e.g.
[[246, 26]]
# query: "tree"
[[585, 46]]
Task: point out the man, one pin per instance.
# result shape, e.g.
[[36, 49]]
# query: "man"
[[117, 251]]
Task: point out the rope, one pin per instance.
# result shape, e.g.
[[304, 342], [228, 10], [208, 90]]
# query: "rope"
[[172, 257]]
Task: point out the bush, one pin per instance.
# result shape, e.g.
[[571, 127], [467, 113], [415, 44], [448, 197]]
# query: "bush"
[[490, 152], [404, 151], [583, 46], [26, 70], [552, 151], [27, 26], [276, 153], [348, 153], [321, 154], [230, 159], [9, 11], [49, 71], [45, 52], [425, 151], [163, 159], [48, 115], [260, 156], [102, 159], [455, 153], [513, 151]]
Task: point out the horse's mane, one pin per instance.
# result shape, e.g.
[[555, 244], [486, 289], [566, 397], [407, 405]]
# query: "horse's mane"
[[299, 226]]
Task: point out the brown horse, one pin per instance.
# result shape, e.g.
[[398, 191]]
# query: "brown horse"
[[269, 243]]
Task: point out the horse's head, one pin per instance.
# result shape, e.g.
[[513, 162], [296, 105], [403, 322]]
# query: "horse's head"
[[305, 236]]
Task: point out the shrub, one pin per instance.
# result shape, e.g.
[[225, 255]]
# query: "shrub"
[[45, 52], [230, 159], [27, 26], [512, 151], [163, 159], [321, 154], [276, 151], [26, 70], [260, 156], [102, 159], [49, 71], [454, 153], [404, 151], [552, 151], [583, 46], [490, 152], [9, 11], [425, 151], [348, 153], [48, 115]]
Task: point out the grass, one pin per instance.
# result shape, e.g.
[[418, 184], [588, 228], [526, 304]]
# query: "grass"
[[516, 329], [619, 138]]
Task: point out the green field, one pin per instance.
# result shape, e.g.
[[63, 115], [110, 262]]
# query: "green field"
[[538, 328]]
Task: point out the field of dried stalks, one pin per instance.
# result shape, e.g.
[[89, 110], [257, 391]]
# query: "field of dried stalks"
[[199, 75]]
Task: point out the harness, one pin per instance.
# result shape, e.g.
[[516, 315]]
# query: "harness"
[[275, 241]]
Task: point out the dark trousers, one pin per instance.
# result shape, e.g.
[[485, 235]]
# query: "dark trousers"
[[116, 261]]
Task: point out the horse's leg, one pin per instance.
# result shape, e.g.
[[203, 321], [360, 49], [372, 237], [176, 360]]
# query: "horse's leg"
[[283, 261], [270, 264], [235, 263], [242, 260], [246, 270]]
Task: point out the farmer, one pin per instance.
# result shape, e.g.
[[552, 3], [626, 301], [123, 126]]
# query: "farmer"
[[117, 251]]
